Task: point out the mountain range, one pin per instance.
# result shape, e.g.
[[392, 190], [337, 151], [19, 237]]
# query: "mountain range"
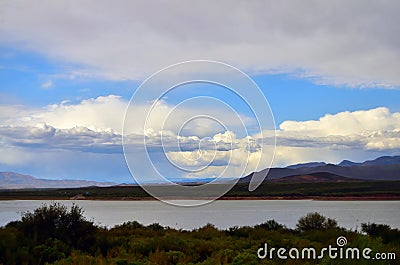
[[382, 168], [12, 180]]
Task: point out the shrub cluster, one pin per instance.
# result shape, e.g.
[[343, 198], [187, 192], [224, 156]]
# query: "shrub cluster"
[[54, 234]]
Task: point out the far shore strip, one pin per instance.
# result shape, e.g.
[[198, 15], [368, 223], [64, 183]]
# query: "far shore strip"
[[317, 198]]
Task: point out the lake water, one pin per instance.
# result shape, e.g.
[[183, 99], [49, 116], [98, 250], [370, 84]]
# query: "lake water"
[[223, 214]]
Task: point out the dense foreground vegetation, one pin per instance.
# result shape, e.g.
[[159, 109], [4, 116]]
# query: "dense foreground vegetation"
[[54, 234], [292, 190]]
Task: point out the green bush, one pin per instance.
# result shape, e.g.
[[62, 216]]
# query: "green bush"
[[49, 233], [315, 221], [271, 225], [380, 230]]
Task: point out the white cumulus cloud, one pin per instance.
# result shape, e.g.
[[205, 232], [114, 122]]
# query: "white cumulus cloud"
[[356, 135], [93, 127], [346, 123]]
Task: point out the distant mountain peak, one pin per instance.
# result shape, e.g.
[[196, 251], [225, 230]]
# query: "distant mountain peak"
[[12, 180], [384, 160], [309, 164], [348, 163]]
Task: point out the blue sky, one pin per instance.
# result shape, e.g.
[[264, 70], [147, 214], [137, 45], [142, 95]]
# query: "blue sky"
[[23, 74], [290, 97], [66, 78]]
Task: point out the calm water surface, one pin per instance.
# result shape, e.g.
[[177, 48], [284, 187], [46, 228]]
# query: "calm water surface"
[[223, 214]]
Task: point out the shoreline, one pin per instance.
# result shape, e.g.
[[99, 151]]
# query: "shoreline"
[[383, 197]]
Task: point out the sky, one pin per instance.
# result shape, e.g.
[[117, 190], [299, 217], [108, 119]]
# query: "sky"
[[328, 73]]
